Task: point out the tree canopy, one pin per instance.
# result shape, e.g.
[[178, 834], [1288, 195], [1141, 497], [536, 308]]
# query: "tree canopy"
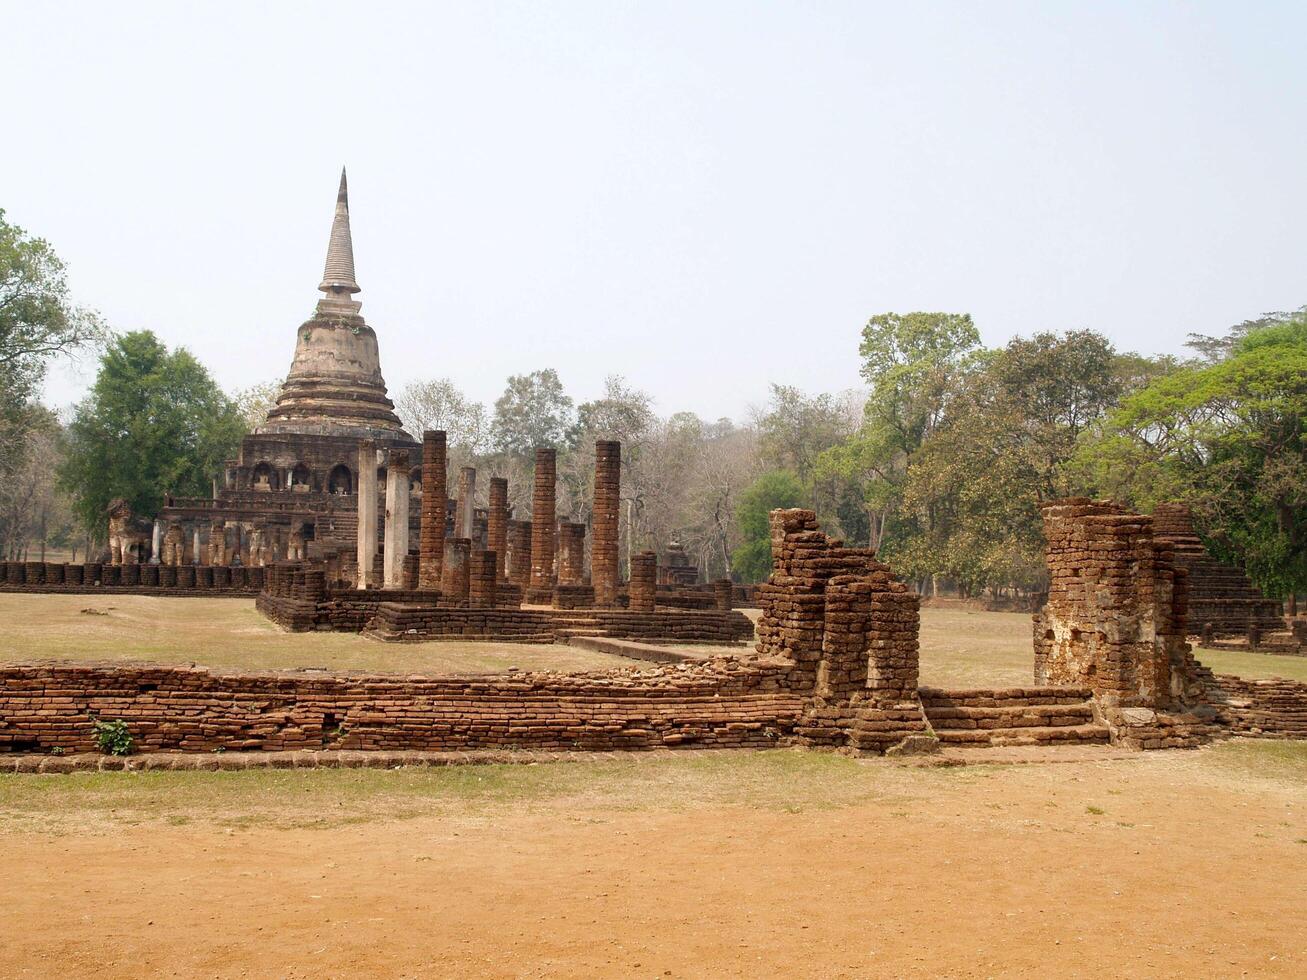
[[155, 422], [1228, 438], [533, 411]]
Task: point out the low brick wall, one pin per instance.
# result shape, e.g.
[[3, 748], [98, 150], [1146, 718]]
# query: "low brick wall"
[[93, 578], [723, 703], [398, 615], [1263, 708]]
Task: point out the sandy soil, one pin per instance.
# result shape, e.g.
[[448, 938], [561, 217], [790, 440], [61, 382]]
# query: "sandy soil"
[[1170, 864]]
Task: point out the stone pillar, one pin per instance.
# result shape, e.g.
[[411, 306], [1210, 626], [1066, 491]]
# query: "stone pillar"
[[497, 526], [607, 506], [571, 553], [465, 511], [156, 542], [196, 549], [517, 566], [481, 579], [367, 505], [644, 579], [455, 582], [431, 536], [218, 542], [396, 533], [722, 593], [543, 520]]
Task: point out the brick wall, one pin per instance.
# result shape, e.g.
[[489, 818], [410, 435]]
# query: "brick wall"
[[723, 703]]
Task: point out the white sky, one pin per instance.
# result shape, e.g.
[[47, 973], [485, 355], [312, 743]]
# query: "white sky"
[[704, 197]]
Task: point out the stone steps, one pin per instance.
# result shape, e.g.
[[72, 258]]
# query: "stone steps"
[[1063, 735], [1014, 716]]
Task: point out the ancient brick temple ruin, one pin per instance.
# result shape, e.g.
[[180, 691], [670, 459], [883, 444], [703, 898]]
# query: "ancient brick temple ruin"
[[291, 491], [1222, 600], [1116, 624], [836, 666]]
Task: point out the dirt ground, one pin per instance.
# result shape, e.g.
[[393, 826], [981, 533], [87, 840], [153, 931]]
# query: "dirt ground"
[[668, 864], [697, 864]]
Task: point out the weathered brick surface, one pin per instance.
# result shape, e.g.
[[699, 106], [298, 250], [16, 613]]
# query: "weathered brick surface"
[[91, 578], [431, 532], [543, 520], [850, 629], [720, 703], [607, 508]]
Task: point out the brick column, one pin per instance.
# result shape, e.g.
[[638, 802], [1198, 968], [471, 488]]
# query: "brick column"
[[396, 540], [454, 584], [481, 579], [644, 578], [607, 511], [517, 565], [571, 553], [722, 593], [543, 506], [465, 512], [497, 525], [431, 536]]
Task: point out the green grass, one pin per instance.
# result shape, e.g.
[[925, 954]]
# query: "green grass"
[[1268, 758], [1248, 664]]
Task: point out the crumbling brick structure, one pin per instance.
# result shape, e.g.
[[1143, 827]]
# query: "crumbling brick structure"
[[517, 566], [1115, 624], [607, 507], [543, 526], [431, 534], [851, 630], [571, 553], [1219, 595], [481, 579], [1115, 619], [456, 584], [644, 577]]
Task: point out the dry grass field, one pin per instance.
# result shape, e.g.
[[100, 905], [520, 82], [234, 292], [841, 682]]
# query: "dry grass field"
[[781, 863], [959, 648]]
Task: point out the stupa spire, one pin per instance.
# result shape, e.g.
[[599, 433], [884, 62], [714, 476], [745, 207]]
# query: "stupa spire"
[[338, 276]]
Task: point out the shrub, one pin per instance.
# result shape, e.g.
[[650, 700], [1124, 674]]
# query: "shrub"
[[113, 738]]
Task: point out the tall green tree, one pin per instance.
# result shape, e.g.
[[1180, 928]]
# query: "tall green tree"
[[976, 482], [534, 411], [38, 321], [1228, 438], [752, 559], [914, 364], [155, 422]]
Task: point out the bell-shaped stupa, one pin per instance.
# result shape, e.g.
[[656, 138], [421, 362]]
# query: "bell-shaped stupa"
[[335, 386]]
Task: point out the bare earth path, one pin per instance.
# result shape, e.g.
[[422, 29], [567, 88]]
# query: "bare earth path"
[[672, 864], [784, 863]]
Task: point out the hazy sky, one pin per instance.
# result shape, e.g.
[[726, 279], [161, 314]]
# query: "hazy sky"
[[704, 197]]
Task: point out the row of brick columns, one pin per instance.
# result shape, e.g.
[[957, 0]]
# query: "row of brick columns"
[[533, 555]]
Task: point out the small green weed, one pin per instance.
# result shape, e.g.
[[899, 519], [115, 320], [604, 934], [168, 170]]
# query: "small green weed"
[[112, 737]]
